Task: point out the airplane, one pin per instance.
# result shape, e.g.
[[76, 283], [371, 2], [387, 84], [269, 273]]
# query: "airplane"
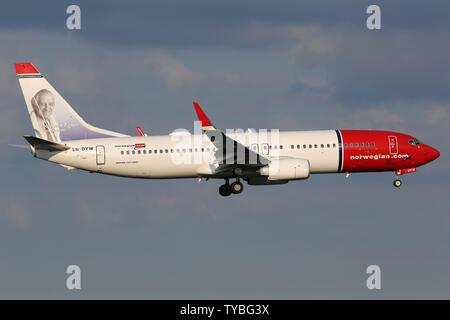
[[256, 157]]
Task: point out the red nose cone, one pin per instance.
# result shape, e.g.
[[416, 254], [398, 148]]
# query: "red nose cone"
[[433, 153]]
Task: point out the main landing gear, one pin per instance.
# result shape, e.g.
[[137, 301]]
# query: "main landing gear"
[[227, 189]]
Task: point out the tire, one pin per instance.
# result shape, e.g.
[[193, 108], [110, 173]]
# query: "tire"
[[397, 183], [236, 187], [225, 190]]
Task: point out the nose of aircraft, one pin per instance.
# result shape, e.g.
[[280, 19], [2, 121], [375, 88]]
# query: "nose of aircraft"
[[432, 153]]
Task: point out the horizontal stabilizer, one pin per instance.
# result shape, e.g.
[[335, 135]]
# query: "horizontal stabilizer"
[[42, 144]]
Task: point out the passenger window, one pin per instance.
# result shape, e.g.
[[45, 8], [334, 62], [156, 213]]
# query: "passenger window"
[[139, 151], [149, 151], [281, 147], [321, 146], [310, 146], [298, 146], [133, 152], [328, 145], [156, 151], [373, 144], [334, 145], [128, 152], [304, 146], [161, 151], [292, 146], [121, 152], [315, 146], [351, 145], [356, 145]]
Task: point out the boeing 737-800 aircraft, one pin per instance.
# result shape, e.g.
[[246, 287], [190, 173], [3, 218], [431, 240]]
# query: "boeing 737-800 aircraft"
[[259, 158]]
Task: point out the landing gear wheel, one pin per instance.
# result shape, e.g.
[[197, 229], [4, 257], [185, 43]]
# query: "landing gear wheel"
[[397, 183], [237, 187], [225, 190]]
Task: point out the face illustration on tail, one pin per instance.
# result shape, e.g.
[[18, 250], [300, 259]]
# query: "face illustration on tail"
[[43, 103]]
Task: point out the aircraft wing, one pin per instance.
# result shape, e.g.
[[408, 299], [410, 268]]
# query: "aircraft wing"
[[230, 154]]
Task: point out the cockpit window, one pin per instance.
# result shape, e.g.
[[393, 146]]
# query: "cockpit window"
[[415, 142]]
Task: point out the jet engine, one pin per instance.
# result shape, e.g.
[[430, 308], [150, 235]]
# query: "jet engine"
[[286, 169]]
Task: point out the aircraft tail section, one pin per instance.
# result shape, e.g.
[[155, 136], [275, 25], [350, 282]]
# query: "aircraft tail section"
[[53, 119]]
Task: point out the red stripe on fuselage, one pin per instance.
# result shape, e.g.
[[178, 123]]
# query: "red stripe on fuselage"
[[371, 150]]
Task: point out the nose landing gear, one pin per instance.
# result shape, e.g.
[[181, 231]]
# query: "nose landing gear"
[[397, 183], [227, 189]]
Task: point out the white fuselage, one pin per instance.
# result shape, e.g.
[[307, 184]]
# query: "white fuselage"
[[188, 156]]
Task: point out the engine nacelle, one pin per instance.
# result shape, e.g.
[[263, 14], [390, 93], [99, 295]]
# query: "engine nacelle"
[[286, 169]]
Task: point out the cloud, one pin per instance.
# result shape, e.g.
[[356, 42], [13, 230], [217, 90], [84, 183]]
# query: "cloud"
[[79, 78], [201, 23], [438, 116], [355, 65], [376, 118], [17, 215], [175, 74], [172, 72]]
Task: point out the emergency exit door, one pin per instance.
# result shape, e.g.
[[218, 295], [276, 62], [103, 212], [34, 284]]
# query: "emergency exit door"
[[100, 150]]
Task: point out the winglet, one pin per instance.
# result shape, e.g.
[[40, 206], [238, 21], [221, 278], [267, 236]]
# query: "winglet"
[[23, 68], [206, 123], [140, 132]]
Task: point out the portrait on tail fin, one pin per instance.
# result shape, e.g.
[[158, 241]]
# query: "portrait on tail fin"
[[43, 103]]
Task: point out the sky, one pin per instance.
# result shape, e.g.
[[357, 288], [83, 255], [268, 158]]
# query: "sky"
[[288, 65]]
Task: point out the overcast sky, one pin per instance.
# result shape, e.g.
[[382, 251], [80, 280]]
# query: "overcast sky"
[[290, 65]]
